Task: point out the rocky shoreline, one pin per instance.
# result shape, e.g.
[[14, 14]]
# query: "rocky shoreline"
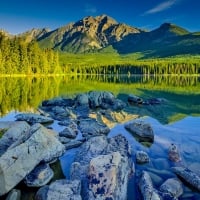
[[102, 165]]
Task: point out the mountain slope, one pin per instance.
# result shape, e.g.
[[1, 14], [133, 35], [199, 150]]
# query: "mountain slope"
[[33, 34], [88, 34], [167, 40]]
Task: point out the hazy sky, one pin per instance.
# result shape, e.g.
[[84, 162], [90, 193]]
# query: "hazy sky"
[[17, 16]]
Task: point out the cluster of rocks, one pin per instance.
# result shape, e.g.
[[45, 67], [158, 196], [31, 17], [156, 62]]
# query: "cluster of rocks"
[[172, 188], [102, 165]]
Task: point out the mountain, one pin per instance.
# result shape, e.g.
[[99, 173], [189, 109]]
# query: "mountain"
[[167, 40], [33, 34], [88, 34], [104, 34]]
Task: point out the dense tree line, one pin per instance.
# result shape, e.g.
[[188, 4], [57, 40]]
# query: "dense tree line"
[[19, 57], [150, 67]]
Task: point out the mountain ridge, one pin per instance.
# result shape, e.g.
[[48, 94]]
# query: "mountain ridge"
[[103, 33]]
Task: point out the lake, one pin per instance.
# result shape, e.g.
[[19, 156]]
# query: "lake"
[[177, 120]]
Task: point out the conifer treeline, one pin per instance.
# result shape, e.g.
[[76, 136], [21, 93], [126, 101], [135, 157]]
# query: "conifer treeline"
[[138, 67], [19, 57]]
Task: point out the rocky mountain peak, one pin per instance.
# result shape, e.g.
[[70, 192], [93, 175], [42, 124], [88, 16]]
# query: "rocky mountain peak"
[[88, 34], [34, 34]]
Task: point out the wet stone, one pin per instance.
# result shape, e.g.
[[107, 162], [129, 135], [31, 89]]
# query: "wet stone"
[[189, 176], [33, 118], [40, 176], [90, 127], [173, 187], [69, 133], [173, 153], [142, 157], [141, 129], [73, 144]]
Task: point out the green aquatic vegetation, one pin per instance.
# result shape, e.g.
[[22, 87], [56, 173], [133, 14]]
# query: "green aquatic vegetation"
[[2, 131]]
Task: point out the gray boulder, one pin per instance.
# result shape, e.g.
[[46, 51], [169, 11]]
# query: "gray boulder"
[[97, 158], [58, 110], [142, 157], [146, 187], [64, 190], [15, 132], [20, 160], [60, 113], [82, 99], [173, 187], [69, 132], [118, 105], [90, 127], [189, 176], [173, 153], [33, 118], [108, 177], [141, 129], [14, 194], [100, 98], [40, 176]]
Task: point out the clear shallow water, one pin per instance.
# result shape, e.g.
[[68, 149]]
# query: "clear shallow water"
[[176, 121], [184, 133]]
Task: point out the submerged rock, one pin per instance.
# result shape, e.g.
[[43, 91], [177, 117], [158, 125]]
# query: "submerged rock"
[[141, 129], [33, 118], [142, 157], [173, 153], [146, 187], [90, 128], [173, 187], [189, 176], [154, 101], [40, 176], [20, 160]]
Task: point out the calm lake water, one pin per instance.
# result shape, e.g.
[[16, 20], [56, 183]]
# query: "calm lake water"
[[177, 120]]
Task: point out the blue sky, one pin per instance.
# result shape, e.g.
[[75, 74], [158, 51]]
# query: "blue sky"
[[17, 16]]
